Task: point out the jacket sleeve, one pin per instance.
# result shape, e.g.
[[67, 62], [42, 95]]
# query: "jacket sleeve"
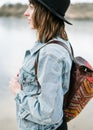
[[39, 109]]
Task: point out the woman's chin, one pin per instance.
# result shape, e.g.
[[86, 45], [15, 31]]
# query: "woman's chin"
[[31, 27]]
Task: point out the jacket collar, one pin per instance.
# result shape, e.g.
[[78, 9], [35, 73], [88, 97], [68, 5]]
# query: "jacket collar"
[[37, 47]]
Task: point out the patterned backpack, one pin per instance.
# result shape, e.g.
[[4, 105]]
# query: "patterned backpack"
[[81, 84]]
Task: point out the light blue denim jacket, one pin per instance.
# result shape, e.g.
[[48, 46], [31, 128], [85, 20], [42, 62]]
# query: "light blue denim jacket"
[[43, 111]]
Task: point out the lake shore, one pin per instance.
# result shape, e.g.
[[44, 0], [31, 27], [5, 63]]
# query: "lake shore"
[[80, 11]]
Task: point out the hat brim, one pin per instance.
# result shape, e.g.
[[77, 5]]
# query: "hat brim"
[[52, 10]]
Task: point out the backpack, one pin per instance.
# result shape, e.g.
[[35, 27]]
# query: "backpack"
[[81, 84]]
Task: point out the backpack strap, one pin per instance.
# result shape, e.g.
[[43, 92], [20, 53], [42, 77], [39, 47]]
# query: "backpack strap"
[[65, 46]]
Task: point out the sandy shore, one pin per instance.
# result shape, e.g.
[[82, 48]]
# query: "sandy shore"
[[7, 112], [8, 124]]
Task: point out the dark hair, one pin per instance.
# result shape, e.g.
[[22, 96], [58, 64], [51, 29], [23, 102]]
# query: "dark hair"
[[47, 25]]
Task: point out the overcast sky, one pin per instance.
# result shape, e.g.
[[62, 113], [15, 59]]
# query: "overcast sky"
[[26, 1]]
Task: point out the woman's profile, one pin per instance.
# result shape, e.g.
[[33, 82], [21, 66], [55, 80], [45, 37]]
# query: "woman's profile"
[[41, 108]]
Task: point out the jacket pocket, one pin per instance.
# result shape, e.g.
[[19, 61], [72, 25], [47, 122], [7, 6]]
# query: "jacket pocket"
[[27, 80]]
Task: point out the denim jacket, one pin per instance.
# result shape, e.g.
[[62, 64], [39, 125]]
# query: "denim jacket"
[[43, 111]]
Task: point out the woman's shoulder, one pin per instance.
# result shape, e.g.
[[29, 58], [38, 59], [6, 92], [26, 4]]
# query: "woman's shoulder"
[[55, 49]]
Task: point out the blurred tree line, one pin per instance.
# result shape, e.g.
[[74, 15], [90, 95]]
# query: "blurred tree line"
[[76, 11], [12, 10]]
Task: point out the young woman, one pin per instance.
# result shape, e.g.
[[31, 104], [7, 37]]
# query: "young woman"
[[39, 98]]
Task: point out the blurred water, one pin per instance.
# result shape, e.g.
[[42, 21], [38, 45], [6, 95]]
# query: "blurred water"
[[16, 37]]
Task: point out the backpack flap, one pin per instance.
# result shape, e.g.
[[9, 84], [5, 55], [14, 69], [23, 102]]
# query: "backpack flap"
[[80, 89], [84, 63]]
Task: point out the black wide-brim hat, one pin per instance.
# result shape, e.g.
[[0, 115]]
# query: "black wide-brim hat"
[[57, 7]]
